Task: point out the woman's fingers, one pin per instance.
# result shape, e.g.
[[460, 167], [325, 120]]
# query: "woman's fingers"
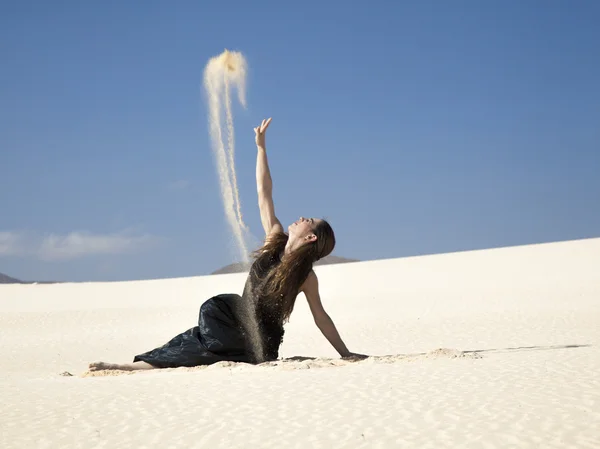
[[263, 126]]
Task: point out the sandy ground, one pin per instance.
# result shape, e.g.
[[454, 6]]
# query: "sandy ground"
[[483, 349]]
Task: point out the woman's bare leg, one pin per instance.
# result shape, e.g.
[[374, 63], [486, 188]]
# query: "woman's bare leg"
[[98, 366]]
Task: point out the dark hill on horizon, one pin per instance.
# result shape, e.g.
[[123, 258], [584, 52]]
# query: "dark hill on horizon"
[[4, 279], [240, 267]]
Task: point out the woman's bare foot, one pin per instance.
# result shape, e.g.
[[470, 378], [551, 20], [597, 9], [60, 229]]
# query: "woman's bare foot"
[[100, 366]]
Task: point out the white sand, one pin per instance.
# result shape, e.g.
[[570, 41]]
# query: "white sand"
[[531, 313]]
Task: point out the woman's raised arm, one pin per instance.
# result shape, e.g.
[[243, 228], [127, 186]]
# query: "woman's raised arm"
[[264, 183]]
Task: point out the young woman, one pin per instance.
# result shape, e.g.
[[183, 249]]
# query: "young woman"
[[249, 328]]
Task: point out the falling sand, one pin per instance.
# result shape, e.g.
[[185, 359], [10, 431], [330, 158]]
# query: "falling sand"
[[221, 74]]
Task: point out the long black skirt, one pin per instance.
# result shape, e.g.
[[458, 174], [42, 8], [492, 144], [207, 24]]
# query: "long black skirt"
[[218, 337]]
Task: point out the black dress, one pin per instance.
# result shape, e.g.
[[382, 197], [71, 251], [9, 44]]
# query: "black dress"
[[230, 327]]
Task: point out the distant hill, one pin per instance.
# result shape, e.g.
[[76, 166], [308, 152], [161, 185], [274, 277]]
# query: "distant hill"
[[4, 279], [240, 267]]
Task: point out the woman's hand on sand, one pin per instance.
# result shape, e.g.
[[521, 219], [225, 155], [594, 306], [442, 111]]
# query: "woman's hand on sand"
[[260, 131], [354, 357]]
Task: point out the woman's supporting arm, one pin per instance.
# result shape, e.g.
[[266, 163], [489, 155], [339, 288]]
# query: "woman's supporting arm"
[[322, 319]]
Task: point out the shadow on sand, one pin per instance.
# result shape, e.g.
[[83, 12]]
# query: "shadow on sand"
[[528, 348], [302, 362], [456, 353]]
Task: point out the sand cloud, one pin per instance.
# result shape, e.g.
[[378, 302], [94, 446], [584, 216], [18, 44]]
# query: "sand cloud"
[[74, 245]]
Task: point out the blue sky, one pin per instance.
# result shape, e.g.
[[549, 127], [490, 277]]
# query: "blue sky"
[[414, 127]]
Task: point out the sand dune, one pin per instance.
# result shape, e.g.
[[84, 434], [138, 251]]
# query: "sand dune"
[[482, 349]]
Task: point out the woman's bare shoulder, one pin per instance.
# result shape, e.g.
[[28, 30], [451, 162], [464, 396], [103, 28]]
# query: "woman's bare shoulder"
[[311, 283]]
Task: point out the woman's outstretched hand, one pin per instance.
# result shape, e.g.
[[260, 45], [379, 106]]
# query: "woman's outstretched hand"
[[260, 131]]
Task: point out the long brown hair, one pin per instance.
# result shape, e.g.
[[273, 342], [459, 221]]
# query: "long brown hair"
[[281, 285]]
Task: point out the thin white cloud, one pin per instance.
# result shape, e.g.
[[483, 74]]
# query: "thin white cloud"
[[10, 243], [80, 244], [75, 245], [179, 185]]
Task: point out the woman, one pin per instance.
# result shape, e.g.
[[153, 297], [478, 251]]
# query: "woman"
[[249, 328]]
